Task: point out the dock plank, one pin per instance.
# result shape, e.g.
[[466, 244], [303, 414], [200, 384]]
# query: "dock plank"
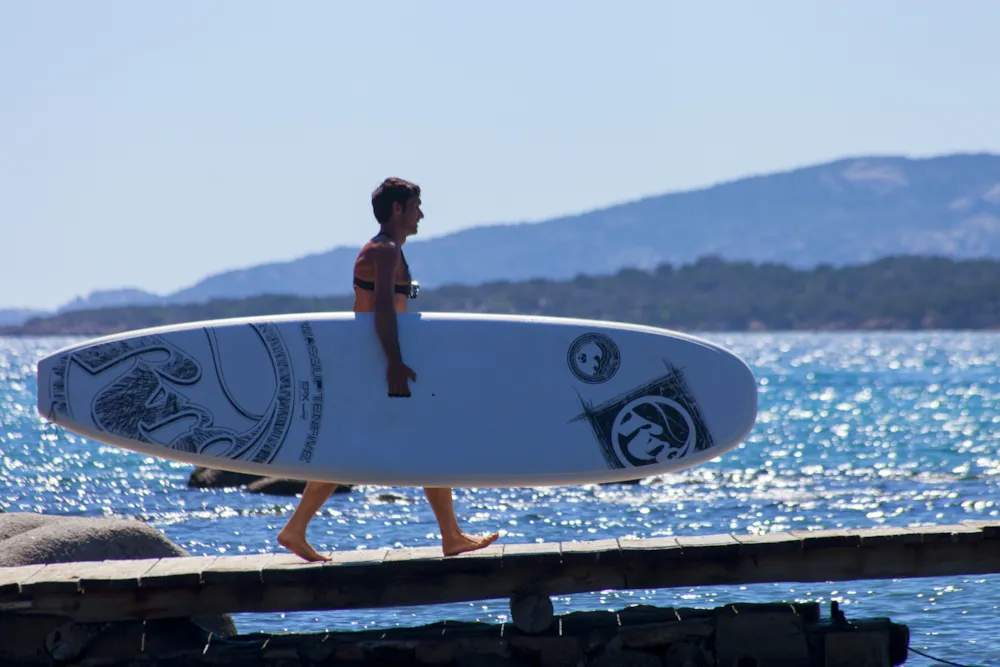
[[243, 569], [411, 554], [834, 537], [11, 578], [492, 551], [115, 574], [533, 550], [359, 557], [991, 529], [56, 578], [947, 533], [710, 545], [647, 543], [768, 543], [177, 571], [176, 587], [590, 551], [888, 535]]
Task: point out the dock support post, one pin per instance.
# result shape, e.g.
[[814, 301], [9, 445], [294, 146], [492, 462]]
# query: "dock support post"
[[531, 611]]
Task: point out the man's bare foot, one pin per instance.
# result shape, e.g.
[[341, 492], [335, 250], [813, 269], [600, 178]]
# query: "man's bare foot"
[[298, 545], [454, 545]]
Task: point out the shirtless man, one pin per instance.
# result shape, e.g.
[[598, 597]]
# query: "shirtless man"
[[383, 284]]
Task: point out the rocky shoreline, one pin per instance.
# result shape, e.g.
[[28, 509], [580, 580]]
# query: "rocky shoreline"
[[744, 635]]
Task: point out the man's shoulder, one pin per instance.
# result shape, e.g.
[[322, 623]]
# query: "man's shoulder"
[[378, 248], [383, 246]]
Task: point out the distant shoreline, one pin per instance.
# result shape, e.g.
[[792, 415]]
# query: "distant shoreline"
[[908, 293]]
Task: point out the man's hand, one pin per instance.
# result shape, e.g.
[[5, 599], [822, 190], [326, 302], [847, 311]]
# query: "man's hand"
[[397, 376]]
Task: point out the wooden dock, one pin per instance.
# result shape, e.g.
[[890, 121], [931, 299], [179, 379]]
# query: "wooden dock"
[[179, 587]]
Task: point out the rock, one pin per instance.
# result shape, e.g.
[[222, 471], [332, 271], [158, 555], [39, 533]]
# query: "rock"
[[27, 539], [627, 482], [53, 640], [66, 539], [489, 660], [761, 634], [14, 523], [276, 486], [210, 478], [547, 651], [391, 497], [279, 486], [627, 658], [691, 654]]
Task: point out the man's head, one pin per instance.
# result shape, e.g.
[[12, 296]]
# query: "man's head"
[[396, 205]]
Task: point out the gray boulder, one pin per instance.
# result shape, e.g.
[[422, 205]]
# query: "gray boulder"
[[36, 538], [210, 478], [277, 486], [15, 523]]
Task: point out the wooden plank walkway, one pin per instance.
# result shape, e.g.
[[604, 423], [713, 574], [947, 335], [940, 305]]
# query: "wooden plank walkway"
[[173, 587]]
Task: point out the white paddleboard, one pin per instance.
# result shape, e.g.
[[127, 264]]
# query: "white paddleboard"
[[498, 401]]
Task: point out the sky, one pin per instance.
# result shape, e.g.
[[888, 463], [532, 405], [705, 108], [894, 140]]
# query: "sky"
[[152, 144]]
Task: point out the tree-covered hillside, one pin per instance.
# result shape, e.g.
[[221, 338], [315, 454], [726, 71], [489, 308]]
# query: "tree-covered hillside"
[[710, 294]]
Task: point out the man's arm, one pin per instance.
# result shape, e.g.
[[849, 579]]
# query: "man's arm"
[[386, 259]]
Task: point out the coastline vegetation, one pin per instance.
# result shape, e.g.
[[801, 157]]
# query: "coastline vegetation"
[[711, 294]]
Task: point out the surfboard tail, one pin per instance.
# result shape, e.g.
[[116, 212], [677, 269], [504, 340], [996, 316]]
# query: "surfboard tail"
[[43, 376]]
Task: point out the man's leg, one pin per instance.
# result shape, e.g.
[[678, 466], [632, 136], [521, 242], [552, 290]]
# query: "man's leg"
[[453, 540], [293, 535]]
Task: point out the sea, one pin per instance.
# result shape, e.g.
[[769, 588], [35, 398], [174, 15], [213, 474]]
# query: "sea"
[[855, 429]]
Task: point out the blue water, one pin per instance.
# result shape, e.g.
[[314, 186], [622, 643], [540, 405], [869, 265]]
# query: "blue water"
[[855, 430]]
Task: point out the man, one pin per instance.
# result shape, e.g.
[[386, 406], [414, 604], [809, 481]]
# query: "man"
[[383, 284]]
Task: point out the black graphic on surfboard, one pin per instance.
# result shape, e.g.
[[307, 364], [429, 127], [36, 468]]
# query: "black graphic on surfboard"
[[593, 358], [659, 421], [147, 396]]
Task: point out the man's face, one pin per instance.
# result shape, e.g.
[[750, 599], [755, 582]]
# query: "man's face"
[[410, 216]]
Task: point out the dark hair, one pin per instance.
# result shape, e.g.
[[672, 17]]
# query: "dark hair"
[[390, 191]]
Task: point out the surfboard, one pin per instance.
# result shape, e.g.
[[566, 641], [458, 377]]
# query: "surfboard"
[[498, 401]]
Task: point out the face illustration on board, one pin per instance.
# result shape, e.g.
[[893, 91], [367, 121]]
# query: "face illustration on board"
[[589, 359]]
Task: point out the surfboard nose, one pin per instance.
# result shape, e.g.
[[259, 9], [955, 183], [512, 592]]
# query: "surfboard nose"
[[725, 391], [744, 402], [737, 402]]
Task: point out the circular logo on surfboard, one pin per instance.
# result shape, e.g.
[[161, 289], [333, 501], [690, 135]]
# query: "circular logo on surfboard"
[[593, 358], [653, 429]]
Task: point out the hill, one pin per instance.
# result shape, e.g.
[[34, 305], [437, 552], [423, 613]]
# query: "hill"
[[843, 212], [710, 294], [14, 316]]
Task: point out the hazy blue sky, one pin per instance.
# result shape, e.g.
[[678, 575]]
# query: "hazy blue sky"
[[151, 144]]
